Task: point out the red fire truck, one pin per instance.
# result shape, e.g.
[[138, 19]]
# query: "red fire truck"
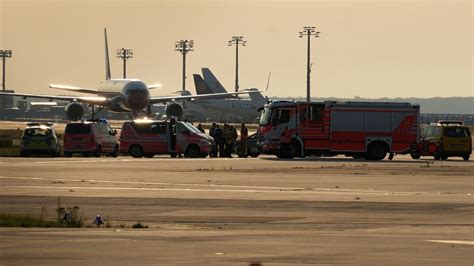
[[359, 129]]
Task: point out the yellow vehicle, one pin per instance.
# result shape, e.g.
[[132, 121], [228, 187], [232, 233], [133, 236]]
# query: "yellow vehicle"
[[445, 139]]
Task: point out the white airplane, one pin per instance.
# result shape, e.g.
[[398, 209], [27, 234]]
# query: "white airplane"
[[229, 108], [118, 95]]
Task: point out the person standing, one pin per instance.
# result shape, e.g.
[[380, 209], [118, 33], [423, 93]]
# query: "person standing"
[[225, 132], [244, 133], [199, 126], [214, 148], [218, 137], [285, 143], [230, 141]]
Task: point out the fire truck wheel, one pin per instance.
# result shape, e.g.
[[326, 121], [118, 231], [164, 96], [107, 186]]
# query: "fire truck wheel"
[[378, 151], [136, 151], [466, 156], [415, 155], [254, 154], [98, 151], [192, 151]]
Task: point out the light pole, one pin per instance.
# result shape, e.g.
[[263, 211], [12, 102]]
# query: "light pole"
[[184, 46], [4, 54], [125, 54], [308, 31], [237, 40]]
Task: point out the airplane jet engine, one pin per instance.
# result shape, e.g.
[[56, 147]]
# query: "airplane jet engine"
[[174, 109], [74, 111]]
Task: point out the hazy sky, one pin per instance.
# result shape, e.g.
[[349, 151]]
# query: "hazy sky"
[[366, 48]]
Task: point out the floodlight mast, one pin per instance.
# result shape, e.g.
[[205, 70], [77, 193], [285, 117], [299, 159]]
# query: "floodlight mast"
[[237, 40], [184, 46], [308, 31], [5, 54], [125, 54]]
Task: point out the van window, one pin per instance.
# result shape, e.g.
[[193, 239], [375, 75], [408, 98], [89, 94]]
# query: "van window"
[[102, 129], [455, 132], [428, 132], [141, 128], [158, 128], [78, 128], [36, 132]]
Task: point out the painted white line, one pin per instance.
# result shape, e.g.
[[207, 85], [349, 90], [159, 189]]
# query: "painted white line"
[[222, 187], [461, 242]]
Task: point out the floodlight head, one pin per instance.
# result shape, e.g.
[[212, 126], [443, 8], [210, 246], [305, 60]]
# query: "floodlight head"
[[6, 53]]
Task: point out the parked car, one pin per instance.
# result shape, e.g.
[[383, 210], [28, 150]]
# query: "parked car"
[[443, 140], [252, 147], [147, 138], [39, 138], [92, 137]]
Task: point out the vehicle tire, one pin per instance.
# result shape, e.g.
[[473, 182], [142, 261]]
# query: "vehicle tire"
[[444, 157], [466, 156], [149, 155], [173, 155], [115, 153], [436, 156], [192, 151], [136, 151], [67, 154], [98, 151], [24, 154], [378, 151], [415, 155], [254, 154], [286, 152], [204, 155]]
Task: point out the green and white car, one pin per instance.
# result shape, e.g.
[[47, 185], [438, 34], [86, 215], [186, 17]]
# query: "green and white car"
[[39, 138]]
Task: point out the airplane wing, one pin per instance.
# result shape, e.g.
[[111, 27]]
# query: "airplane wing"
[[97, 100], [154, 86], [72, 88], [165, 99]]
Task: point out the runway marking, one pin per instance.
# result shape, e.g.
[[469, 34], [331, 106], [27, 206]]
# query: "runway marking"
[[220, 187], [461, 242]]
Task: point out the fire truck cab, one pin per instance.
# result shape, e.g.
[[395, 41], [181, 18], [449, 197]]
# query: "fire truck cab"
[[358, 129]]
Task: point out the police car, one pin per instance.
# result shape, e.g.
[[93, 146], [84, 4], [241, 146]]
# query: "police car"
[[39, 138]]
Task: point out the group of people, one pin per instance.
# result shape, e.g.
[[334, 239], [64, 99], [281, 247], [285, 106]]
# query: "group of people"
[[226, 138]]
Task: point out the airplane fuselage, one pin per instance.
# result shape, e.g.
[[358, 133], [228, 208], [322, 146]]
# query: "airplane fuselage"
[[125, 95]]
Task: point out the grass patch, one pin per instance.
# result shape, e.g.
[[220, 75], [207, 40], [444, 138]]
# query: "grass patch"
[[139, 225], [7, 220]]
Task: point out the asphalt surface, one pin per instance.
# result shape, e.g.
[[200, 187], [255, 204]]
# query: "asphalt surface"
[[236, 211]]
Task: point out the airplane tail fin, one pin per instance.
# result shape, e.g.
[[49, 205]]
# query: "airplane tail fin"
[[201, 86], [107, 61], [256, 96], [212, 81]]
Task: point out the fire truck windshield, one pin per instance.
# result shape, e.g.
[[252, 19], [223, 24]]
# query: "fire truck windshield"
[[265, 118]]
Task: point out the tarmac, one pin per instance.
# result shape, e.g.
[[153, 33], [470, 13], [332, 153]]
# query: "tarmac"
[[238, 211]]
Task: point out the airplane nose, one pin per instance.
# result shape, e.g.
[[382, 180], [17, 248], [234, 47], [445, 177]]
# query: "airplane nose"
[[138, 98]]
